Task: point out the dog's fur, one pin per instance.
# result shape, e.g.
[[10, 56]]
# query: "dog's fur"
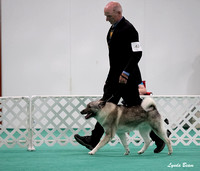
[[120, 119]]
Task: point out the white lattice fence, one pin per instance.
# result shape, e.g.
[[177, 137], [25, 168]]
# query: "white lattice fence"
[[57, 119], [31, 122], [183, 113], [14, 119]]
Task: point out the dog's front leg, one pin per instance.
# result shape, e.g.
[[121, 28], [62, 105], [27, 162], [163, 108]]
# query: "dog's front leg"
[[122, 137], [103, 142]]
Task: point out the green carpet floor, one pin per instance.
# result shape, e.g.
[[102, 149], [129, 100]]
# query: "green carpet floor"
[[75, 158]]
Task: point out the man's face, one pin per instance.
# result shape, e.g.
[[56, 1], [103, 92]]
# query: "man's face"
[[110, 16]]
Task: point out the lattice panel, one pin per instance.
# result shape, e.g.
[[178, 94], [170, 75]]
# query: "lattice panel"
[[61, 116], [57, 119], [183, 113], [14, 121]]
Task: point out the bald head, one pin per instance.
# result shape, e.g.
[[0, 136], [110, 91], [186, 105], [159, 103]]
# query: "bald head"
[[113, 12]]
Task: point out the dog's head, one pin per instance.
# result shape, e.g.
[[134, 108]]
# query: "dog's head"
[[93, 108]]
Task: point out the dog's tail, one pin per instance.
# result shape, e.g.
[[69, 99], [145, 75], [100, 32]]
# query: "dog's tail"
[[148, 104]]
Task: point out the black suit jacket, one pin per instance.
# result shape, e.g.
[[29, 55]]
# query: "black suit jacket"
[[121, 56]]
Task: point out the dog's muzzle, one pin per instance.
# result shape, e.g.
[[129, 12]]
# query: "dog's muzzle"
[[88, 114]]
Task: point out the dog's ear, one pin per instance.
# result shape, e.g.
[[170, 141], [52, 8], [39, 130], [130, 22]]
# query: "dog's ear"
[[102, 104]]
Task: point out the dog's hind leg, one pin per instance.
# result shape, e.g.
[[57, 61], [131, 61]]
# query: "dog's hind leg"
[[122, 137], [144, 132], [162, 133]]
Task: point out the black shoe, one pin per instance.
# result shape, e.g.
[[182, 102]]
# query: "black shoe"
[[84, 140], [160, 143]]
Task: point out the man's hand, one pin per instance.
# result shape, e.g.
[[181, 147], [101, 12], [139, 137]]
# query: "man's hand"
[[123, 78]]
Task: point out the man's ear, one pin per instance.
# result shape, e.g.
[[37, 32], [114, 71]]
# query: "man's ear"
[[102, 104]]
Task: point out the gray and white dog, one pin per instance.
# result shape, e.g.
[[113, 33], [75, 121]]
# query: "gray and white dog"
[[118, 119]]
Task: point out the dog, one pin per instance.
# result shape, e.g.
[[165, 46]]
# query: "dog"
[[118, 119]]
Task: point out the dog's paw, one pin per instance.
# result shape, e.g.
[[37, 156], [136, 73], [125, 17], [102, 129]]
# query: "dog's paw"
[[127, 152], [170, 152], [91, 153], [140, 152]]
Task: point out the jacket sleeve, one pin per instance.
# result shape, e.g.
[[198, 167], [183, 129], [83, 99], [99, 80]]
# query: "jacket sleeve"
[[133, 62], [135, 53]]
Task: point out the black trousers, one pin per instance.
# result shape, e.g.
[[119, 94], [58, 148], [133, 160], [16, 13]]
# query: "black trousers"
[[112, 93]]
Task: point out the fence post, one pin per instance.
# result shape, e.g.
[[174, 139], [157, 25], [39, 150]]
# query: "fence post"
[[30, 124]]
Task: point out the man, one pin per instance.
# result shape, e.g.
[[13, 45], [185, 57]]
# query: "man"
[[124, 74]]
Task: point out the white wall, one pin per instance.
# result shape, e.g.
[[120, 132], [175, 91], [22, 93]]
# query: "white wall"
[[172, 46], [59, 47]]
